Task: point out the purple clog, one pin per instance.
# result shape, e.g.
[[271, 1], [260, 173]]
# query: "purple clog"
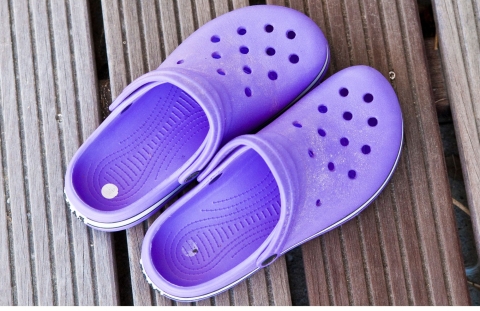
[[313, 168], [228, 78]]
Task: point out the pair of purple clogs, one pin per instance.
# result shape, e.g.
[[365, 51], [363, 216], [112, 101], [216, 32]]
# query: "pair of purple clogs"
[[311, 169]]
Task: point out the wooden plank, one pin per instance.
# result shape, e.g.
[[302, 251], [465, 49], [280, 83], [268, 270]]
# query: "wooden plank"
[[458, 29], [133, 29], [277, 277], [405, 245], [7, 94], [31, 155], [21, 274], [319, 291], [78, 248], [240, 294], [100, 243], [48, 93]]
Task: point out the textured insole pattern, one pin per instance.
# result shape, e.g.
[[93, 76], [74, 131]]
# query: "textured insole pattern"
[[225, 223], [148, 142]]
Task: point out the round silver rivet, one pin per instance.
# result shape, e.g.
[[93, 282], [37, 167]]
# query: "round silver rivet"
[[109, 191]]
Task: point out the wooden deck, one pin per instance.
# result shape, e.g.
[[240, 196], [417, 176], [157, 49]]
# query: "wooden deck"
[[458, 27], [49, 105], [401, 250]]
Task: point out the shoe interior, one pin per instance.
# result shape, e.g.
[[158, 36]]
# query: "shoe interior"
[[221, 226], [149, 141]]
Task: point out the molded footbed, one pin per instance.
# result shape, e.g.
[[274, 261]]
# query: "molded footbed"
[[150, 140], [228, 220]]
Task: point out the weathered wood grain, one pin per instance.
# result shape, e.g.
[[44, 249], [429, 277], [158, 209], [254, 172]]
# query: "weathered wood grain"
[[49, 105], [154, 29], [404, 248], [15, 205], [458, 29]]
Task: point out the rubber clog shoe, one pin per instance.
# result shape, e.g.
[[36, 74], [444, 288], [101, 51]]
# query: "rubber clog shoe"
[[228, 78], [315, 167]]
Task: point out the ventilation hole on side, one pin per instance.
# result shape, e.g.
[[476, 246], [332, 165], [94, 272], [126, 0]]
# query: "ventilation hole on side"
[[366, 149], [322, 132], [322, 108], [343, 92], [215, 39], [215, 179], [318, 203], [269, 260], [216, 55], [310, 153], [221, 72], [293, 58], [372, 122], [352, 174], [244, 50], [347, 115], [270, 51], [268, 28], [126, 108], [331, 166], [291, 34], [296, 124], [272, 75], [180, 61], [247, 70], [241, 31], [195, 251], [344, 141], [368, 98], [248, 92]]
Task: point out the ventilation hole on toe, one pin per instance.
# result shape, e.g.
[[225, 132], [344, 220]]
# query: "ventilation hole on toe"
[[291, 34], [180, 61], [126, 108], [352, 174], [331, 166], [366, 149], [296, 124], [344, 141], [244, 50], [372, 122], [293, 58], [241, 31], [272, 75], [310, 153], [343, 92], [347, 115], [247, 70], [194, 251], [368, 98], [221, 72], [322, 132], [322, 108], [248, 92], [216, 55], [318, 203], [215, 39], [270, 51], [215, 179], [269, 28]]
